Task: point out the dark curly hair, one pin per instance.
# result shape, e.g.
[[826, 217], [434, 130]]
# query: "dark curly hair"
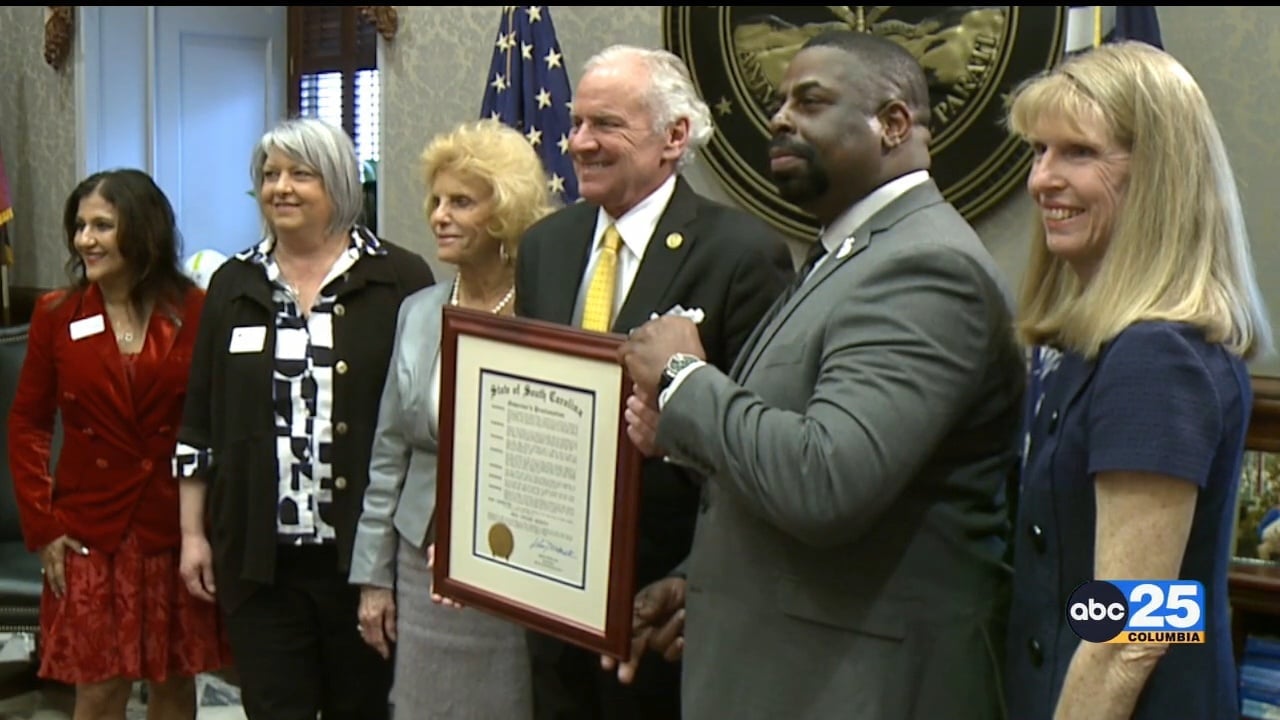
[[146, 234]]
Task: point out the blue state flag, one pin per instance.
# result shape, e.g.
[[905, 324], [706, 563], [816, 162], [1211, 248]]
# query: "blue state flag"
[[1136, 22], [1092, 25], [528, 89]]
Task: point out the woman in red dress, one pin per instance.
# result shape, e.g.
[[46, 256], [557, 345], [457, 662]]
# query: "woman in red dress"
[[110, 354]]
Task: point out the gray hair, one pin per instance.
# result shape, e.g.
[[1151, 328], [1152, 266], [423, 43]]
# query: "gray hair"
[[671, 94], [326, 149]]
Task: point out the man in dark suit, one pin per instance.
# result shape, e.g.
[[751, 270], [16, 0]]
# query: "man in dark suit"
[[642, 242], [847, 560]]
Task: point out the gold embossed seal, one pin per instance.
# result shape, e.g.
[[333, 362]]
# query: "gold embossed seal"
[[501, 541]]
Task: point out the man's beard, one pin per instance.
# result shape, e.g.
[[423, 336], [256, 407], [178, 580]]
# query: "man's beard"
[[805, 185], [802, 187]]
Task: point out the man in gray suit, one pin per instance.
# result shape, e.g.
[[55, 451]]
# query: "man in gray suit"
[[847, 559]]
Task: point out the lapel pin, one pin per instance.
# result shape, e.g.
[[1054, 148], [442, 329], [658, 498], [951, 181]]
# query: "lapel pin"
[[674, 241], [845, 248]]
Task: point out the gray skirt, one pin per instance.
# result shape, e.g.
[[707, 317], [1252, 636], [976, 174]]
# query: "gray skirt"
[[450, 663]]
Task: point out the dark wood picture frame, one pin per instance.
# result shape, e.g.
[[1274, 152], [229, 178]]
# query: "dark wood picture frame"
[[615, 639], [1258, 488], [1254, 587]]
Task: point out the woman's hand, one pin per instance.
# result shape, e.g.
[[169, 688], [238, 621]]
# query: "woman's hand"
[[53, 562], [196, 566], [436, 597], [377, 616]]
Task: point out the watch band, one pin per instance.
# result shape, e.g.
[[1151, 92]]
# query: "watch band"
[[675, 365], [666, 378]]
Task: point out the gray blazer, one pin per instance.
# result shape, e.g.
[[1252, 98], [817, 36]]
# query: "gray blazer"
[[847, 558], [401, 496]]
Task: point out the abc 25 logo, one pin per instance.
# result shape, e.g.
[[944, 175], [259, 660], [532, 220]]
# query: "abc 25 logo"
[[1138, 611]]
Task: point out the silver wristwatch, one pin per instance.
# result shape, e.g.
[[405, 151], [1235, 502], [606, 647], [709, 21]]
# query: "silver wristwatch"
[[675, 364]]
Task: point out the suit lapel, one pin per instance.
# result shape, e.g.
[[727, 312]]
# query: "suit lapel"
[[103, 345], [368, 270], [787, 304], [916, 198], [163, 329], [748, 353], [560, 288], [660, 263], [430, 356]]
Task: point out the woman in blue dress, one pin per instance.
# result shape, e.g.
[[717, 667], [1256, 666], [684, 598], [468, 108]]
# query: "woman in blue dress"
[[1141, 292]]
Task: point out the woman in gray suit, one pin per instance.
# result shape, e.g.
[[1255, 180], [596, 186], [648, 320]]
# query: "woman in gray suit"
[[486, 186]]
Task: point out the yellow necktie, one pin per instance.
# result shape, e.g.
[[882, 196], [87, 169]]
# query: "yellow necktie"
[[597, 312]]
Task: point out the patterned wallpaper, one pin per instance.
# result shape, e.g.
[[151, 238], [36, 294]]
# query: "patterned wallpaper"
[[433, 78], [37, 137], [1234, 53], [434, 75]]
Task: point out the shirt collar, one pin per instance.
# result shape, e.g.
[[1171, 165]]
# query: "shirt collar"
[[363, 242], [860, 212], [636, 225]]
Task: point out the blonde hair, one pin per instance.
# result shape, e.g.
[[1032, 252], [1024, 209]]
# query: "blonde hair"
[[1179, 250], [499, 157]]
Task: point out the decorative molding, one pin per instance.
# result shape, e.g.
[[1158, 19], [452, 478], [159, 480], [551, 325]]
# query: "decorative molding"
[[1264, 425], [59, 26], [383, 17]]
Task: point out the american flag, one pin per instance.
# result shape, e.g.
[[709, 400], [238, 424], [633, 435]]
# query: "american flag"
[[528, 89]]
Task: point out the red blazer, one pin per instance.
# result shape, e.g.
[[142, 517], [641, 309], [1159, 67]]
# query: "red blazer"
[[114, 468]]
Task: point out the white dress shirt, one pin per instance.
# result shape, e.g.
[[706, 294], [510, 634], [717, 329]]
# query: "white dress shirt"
[[636, 226], [858, 213], [832, 237]]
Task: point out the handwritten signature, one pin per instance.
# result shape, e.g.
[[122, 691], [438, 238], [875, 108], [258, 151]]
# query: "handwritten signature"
[[545, 544]]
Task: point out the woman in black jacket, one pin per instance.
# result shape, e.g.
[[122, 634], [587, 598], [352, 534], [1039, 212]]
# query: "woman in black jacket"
[[273, 454]]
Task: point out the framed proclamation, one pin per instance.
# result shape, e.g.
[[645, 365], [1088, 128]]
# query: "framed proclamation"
[[538, 484]]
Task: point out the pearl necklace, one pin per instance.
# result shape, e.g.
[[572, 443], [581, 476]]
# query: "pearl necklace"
[[453, 299]]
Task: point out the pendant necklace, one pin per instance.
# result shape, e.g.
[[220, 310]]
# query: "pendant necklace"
[[125, 335]]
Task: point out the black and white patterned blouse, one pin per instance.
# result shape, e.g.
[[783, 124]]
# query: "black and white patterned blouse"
[[302, 397]]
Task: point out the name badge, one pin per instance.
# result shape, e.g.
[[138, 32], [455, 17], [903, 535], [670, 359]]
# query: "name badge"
[[86, 327], [248, 339]]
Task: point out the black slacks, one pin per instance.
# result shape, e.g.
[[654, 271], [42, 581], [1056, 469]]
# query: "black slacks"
[[297, 649], [568, 684]]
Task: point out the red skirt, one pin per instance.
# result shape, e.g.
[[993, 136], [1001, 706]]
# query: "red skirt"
[[127, 615]]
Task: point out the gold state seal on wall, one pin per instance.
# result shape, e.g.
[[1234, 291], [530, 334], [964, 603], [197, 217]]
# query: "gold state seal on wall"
[[973, 56]]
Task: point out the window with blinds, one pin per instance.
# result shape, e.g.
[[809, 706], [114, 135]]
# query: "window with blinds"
[[333, 72], [333, 75]]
